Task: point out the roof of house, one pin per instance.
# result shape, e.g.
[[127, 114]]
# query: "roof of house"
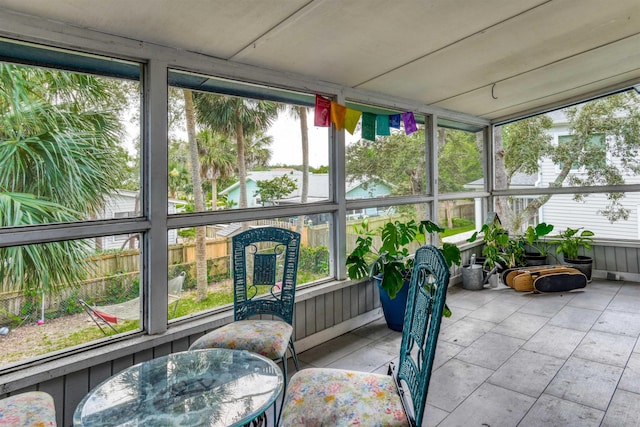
[[318, 184]]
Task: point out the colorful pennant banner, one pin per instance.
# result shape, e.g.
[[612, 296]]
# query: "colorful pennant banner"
[[327, 112]]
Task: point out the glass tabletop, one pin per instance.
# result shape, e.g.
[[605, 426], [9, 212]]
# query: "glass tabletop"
[[213, 387]]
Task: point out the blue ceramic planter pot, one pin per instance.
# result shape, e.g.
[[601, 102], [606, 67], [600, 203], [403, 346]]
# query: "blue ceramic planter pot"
[[395, 308]]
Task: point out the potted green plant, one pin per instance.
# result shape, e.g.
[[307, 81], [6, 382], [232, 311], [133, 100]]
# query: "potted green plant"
[[569, 244], [495, 253], [535, 247], [390, 264]]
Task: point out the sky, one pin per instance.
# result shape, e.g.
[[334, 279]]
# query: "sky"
[[286, 147]]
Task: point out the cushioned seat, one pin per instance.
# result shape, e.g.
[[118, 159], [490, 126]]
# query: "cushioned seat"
[[269, 338], [30, 409], [354, 398]]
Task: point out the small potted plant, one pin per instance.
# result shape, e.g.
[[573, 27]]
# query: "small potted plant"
[[569, 244], [496, 252], [390, 264], [535, 247]]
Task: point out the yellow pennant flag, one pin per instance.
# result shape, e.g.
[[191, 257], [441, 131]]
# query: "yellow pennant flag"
[[351, 120], [338, 113]]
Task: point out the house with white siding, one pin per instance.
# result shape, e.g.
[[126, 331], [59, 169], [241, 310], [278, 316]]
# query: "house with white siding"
[[126, 204], [563, 211]]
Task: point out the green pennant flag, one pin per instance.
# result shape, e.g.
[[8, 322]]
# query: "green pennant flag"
[[369, 126], [382, 125]]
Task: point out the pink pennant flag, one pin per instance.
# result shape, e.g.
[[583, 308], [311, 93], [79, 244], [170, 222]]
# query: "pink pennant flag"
[[322, 111], [338, 113], [351, 120], [409, 123]]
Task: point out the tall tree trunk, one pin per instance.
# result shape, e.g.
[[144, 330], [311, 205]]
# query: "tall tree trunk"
[[214, 193], [242, 166], [304, 133], [448, 207], [198, 197]]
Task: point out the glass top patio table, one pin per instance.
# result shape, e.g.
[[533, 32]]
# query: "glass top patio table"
[[212, 387]]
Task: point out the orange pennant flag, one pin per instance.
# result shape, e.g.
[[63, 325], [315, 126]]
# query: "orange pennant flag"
[[338, 113], [351, 120]]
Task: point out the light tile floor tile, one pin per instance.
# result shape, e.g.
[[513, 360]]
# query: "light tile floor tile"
[[521, 325], [594, 300], [490, 350], [453, 382], [552, 411], [490, 405], [623, 411], [527, 372], [543, 305], [630, 380], [581, 319], [618, 322], [465, 331], [554, 341], [605, 348], [585, 382]]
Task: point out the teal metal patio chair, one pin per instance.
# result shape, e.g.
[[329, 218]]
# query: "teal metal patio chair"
[[265, 268], [334, 397]]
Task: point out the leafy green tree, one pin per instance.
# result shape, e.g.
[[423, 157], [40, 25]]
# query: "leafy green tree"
[[458, 159], [272, 190], [522, 146], [458, 163], [397, 159], [60, 158]]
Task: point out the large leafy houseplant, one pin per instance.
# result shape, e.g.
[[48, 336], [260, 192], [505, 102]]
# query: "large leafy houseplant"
[[391, 260], [533, 237], [571, 240]]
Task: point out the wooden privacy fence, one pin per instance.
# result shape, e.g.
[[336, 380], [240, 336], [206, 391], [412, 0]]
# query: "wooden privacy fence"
[[118, 267]]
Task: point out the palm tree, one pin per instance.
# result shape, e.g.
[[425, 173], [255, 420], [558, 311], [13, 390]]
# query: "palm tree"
[[256, 151], [60, 158], [236, 117], [198, 197], [216, 160], [300, 113]]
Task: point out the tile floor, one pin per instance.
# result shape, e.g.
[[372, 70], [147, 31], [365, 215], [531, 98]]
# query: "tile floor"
[[515, 359]]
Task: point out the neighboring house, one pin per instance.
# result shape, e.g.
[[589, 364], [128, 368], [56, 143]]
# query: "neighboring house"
[[561, 210], [318, 188], [126, 204], [318, 191]]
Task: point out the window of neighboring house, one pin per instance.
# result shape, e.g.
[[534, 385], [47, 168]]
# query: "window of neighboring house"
[[595, 148], [128, 214]]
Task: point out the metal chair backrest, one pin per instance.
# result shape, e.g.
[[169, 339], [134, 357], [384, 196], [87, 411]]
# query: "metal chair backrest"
[[425, 304], [265, 269]]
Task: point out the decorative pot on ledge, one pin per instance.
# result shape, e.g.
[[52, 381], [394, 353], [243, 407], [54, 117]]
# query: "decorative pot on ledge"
[[583, 263]]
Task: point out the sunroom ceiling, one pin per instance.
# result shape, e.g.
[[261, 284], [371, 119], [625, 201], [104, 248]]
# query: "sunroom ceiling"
[[495, 59]]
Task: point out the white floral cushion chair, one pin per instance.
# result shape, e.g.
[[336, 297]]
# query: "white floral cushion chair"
[[333, 397], [30, 409], [265, 267]]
